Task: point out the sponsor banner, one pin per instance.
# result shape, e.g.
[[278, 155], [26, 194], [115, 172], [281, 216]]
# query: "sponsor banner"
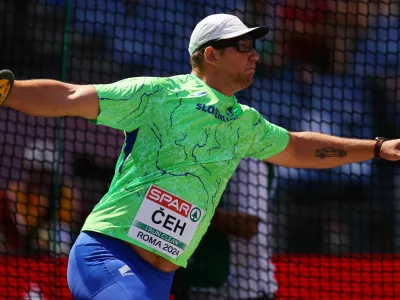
[[357, 277], [39, 278]]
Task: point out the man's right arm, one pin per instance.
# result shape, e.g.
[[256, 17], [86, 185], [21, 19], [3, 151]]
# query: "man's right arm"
[[51, 98]]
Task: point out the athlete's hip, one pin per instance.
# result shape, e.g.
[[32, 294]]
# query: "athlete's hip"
[[91, 238], [97, 262], [155, 260]]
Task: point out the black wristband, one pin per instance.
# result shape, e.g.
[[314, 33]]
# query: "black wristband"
[[378, 145]]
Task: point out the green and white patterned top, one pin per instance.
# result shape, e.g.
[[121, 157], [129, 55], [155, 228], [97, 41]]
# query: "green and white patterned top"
[[183, 142]]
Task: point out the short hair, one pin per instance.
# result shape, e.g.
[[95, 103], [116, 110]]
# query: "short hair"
[[197, 61]]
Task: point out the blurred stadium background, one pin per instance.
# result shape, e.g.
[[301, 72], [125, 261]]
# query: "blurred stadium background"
[[328, 65]]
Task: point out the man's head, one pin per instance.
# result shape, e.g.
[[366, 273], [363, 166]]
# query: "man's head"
[[222, 44]]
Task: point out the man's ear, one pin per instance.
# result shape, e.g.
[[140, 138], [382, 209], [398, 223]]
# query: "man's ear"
[[211, 55]]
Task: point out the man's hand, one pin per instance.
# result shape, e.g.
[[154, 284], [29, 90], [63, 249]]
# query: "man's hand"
[[390, 150], [6, 84]]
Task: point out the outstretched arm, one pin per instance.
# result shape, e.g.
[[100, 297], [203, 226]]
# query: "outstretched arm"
[[51, 98], [321, 151]]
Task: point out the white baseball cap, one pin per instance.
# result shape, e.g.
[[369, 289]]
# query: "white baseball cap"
[[220, 27]]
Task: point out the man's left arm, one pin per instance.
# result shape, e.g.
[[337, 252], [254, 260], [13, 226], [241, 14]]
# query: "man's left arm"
[[322, 151]]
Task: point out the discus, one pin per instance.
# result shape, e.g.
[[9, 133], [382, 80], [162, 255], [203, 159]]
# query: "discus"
[[6, 84]]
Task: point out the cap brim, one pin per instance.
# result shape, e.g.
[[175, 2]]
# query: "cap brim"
[[255, 32]]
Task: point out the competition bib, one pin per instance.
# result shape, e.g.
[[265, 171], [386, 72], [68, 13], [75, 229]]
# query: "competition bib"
[[165, 222]]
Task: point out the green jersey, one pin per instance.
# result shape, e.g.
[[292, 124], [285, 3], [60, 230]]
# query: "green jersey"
[[183, 141]]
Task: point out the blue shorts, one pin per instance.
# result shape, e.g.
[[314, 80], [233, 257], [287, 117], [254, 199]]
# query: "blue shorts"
[[101, 267]]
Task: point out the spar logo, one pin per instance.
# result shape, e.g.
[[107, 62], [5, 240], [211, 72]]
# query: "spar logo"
[[195, 214], [173, 203]]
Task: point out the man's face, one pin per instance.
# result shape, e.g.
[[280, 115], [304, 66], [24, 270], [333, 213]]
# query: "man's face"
[[238, 62]]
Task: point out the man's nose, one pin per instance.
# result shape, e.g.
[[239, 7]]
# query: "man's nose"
[[254, 56]]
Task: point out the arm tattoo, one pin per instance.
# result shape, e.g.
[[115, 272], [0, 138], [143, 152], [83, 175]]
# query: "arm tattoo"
[[329, 152]]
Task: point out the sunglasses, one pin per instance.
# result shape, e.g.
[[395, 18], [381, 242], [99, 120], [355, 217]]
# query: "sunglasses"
[[242, 45]]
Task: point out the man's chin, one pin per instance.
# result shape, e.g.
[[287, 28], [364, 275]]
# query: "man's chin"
[[245, 81]]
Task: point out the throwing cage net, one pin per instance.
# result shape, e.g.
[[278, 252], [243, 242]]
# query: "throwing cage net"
[[326, 66]]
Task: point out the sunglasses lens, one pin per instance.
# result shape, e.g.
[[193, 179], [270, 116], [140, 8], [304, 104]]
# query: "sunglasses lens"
[[246, 45]]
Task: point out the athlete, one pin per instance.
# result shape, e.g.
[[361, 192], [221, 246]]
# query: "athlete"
[[185, 136]]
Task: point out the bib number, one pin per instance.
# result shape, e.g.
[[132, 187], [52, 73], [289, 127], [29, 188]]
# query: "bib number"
[[165, 222]]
